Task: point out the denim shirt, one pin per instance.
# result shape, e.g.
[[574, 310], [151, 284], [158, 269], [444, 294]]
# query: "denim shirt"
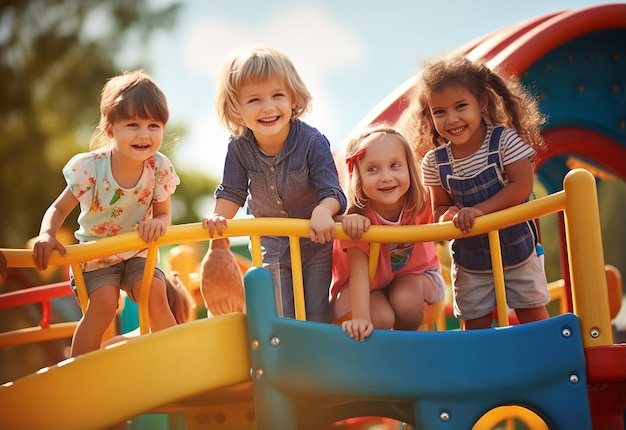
[[290, 184]]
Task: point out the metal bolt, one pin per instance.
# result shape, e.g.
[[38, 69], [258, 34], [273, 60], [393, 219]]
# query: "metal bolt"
[[275, 341], [259, 373], [444, 416], [573, 379], [255, 344], [566, 332], [594, 332]]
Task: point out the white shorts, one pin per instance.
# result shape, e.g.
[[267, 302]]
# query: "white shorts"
[[474, 293]]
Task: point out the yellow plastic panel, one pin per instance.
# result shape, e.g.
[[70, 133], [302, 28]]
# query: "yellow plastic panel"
[[107, 386]]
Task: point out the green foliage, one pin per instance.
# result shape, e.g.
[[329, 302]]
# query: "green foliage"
[[56, 56], [194, 187]]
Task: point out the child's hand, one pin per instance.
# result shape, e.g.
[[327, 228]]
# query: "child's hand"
[[150, 230], [449, 214], [321, 225], [354, 225], [43, 247], [358, 329], [464, 219], [214, 224]]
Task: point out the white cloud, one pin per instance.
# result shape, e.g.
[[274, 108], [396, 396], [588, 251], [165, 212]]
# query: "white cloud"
[[316, 42]]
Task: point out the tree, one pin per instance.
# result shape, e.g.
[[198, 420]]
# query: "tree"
[[56, 56]]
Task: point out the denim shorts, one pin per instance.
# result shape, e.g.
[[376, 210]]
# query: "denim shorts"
[[122, 275]]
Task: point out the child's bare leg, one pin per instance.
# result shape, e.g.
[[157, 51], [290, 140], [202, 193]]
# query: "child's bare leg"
[[161, 316], [406, 296], [381, 313], [98, 316], [480, 322], [532, 314]]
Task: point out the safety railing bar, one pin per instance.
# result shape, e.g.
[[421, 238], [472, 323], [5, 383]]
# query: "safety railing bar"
[[586, 259], [81, 289], [498, 277], [37, 334], [373, 262], [296, 276], [257, 258], [31, 295], [295, 227], [146, 286], [41, 295], [581, 215], [46, 314]]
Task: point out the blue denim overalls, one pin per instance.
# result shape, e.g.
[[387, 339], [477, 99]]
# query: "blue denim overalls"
[[472, 253]]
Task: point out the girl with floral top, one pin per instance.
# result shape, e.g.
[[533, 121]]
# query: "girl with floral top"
[[122, 185]]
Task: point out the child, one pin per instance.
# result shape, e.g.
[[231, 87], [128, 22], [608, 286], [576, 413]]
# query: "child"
[[180, 301], [124, 184], [282, 166], [484, 127], [384, 189]]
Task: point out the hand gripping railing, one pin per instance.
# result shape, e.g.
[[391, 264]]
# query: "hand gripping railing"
[[578, 201]]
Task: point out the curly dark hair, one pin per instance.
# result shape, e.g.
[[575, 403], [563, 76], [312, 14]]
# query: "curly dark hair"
[[509, 103]]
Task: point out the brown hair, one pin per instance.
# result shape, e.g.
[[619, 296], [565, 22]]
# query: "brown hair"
[[415, 197], [125, 96], [508, 102], [257, 64]]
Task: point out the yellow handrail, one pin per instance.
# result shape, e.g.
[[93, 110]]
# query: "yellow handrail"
[[578, 201], [590, 295], [498, 277]]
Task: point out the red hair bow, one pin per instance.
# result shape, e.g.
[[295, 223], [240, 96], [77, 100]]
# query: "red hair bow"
[[351, 160]]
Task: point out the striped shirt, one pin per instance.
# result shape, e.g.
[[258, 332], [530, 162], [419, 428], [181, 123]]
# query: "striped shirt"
[[512, 149]]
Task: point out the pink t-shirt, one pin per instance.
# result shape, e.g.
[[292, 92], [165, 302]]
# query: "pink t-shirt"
[[394, 259]]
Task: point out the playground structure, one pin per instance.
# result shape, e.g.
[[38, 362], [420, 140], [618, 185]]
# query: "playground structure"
[[261, 371]]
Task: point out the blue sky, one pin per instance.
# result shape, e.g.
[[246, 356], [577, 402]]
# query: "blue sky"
[[350, 53]]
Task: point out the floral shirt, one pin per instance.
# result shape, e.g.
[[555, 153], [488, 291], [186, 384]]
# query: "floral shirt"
[[107, 209]]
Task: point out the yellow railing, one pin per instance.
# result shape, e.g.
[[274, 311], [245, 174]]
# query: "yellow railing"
[[578, 201]]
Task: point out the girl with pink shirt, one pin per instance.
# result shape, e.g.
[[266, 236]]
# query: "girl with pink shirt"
[[384, 188]]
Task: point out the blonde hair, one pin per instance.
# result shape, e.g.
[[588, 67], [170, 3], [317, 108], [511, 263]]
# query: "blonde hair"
[[126, 96], [179, 299], [260, 63], [415, 197], [508, 103]]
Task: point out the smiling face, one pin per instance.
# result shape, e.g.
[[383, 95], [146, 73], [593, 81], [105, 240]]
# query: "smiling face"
[[384, 172], [457, 116], [266, 108], [136, 139]]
